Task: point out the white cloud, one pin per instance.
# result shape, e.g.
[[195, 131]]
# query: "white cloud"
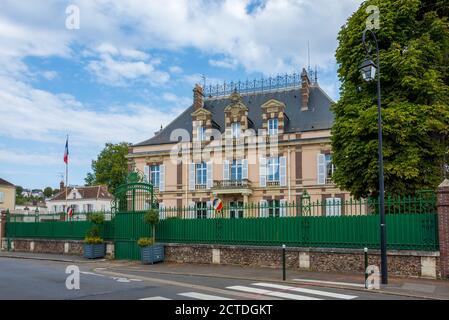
[[117, 66], [37, 115], [224, 63], [49, 75]]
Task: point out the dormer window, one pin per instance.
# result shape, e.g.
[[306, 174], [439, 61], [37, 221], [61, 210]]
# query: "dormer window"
[[236, 128], [273, 127], [201, 133]]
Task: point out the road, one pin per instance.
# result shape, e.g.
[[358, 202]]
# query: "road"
[[46, 280]]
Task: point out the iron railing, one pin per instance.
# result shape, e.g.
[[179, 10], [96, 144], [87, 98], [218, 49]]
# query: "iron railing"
[[232, 184], [261, 85]]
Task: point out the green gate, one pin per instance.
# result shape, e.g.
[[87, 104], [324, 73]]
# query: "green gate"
[[132, 200]]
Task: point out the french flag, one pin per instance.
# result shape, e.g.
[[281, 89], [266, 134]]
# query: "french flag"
[[66, 152]]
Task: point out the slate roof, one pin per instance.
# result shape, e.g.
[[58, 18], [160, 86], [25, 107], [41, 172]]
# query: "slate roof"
[[318, 117], [88, 193], [6, 183]]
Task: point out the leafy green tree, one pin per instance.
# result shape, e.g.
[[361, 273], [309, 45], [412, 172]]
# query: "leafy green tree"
[[48, 192], [111, 166], [414, 60], [19, 190]]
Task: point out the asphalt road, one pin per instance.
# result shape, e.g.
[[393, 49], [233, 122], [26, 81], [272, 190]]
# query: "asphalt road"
[[46, 280]]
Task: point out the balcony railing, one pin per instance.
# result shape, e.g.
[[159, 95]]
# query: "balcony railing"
[[232, 184]]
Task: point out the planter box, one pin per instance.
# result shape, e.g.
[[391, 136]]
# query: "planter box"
[[152, 254], [94, 251]]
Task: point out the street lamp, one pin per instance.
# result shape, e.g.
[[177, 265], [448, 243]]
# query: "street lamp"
[[369, 70]]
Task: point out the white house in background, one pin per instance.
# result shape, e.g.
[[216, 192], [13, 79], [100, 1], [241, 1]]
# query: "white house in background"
[[81, 200]]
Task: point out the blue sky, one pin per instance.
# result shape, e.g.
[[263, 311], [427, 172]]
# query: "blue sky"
[[132, 65]]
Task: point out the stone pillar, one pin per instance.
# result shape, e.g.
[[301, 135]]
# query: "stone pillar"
[[2, 229], [443, 226]]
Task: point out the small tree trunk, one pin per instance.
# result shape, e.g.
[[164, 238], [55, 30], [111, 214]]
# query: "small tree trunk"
[[154, 234]]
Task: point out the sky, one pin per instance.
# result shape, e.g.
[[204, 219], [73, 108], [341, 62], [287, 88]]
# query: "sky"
[[129, 66]]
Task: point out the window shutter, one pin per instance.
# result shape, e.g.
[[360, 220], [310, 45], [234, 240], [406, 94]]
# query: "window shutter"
[[263, 209], [162, 178], [210, 210], [263, 172], [283, 208], [210, 175], [226, 170], [283, 171], [245, 169], [191, 214], [191, 176], [2, 197], [321, 169], [162, 213], [147, 173]]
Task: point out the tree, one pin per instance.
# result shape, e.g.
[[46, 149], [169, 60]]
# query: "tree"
[[414, 60], [48, 192], [19, 190], [111, 166]]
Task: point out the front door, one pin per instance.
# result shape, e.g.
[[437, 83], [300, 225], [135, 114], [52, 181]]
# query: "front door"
[[236, 209]]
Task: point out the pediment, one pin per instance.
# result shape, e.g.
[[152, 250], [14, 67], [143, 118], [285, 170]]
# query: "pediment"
[[201, 112], [273, 103]]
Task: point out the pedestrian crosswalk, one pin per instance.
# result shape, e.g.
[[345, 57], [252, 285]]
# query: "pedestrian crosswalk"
[[261, 290]]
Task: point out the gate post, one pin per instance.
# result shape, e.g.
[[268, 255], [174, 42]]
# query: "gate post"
[[443, 226]]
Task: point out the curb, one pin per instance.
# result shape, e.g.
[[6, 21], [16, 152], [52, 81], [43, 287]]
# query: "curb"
[[49, 259], [321, 285]]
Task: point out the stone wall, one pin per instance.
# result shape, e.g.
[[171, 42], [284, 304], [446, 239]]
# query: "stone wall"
[[401, 263], [68, 247]]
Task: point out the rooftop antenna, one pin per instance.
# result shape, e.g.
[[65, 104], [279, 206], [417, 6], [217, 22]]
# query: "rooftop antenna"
[[204, 81], [308, 56]]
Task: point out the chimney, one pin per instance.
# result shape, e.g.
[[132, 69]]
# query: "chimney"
[[305, 88], [61, 185], [198, 97]]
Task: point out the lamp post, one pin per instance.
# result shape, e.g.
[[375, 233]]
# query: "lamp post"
[[369, 69]]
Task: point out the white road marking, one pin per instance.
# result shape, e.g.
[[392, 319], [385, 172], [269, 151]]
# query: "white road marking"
[[92, 274], [308, 291], [202, 296], [332, 282], [271, 293], [155, 298]]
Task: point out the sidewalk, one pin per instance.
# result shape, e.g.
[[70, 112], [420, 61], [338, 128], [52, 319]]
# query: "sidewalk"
[[412, 287], [47, 257]]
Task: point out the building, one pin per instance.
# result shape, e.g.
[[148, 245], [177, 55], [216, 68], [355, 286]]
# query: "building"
[[263, 143], [81, 200], [7, 195]]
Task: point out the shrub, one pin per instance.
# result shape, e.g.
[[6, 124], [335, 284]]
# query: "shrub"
[[145, 242], [96, 218], [152, 218], [93, 240]]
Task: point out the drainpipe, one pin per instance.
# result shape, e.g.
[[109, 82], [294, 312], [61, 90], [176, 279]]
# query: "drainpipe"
[[288, 175]]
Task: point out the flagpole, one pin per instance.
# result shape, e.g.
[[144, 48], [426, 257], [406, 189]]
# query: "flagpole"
[[66, 180]]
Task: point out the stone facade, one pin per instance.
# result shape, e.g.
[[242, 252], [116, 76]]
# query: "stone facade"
[[68, 247], [443, 226], [401, 263]]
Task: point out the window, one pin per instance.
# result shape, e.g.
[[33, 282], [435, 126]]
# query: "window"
[[274, 208], [330, 167], [88, 207], [155, 175], [201, 134], [235, 130], [273, 169], [201, 174], [2, 197], [237, 170], [201, 210], [236, 209], [333, 207], [273, 126]]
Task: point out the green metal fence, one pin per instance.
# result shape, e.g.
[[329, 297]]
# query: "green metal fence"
[[56, 226], [411, 224], [404, 232]]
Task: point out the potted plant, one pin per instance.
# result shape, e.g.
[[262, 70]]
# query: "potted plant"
[[94, 246], [151, 251]]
